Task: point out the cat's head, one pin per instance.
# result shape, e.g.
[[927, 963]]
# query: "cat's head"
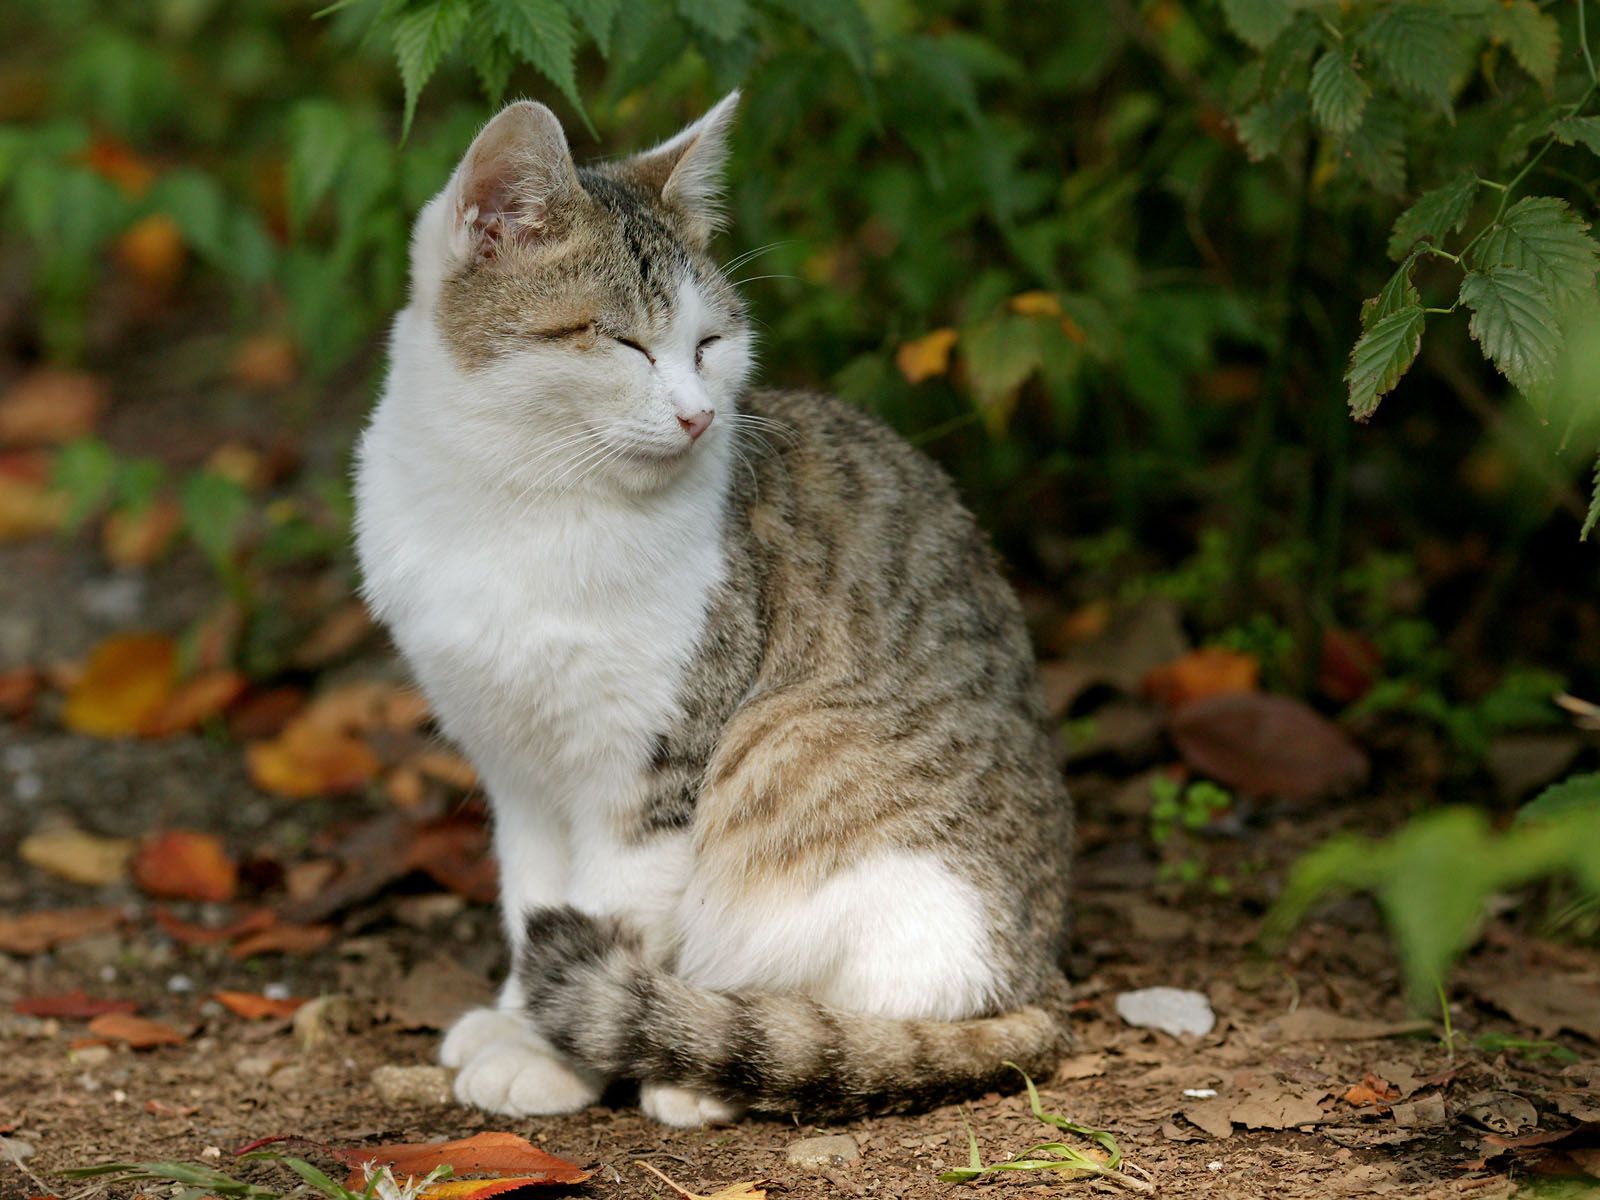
[[590, 336]]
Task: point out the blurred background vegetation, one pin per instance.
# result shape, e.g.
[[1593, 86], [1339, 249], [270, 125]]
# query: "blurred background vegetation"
[[1105, 259]]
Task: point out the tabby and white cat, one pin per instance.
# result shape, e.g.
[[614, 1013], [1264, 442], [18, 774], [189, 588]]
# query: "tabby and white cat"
[[776, 816]]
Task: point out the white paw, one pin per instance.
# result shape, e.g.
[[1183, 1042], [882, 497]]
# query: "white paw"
[[476, 1029], [684, 1107]]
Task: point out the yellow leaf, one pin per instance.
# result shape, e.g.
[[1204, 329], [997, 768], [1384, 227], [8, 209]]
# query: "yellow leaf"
[[1035, 304], [127, 678], [78, 857], [734, 1191], [926, 356]]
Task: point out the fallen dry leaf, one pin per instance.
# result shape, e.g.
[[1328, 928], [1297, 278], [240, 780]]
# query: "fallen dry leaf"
[[366, 707], [282, 938], [71, 1006], [37, 931], [1209, 671], [1546, 1001], [1348, 666], [926, 356], [404, 787], [204, 935], [152, 251], [78, 857], [49, 406], [267, 361], [1306, 1024], [136, 538], [19, 687], [734, 1191], [160, 1108], [308, 759], [181, 864], [29, 508], [449, 769], [455, 854], [502, 1154], [120, 164], [125, 680], [336, 635], [1267, 745], [140, 1033], [265, 714], [238, 463], [193, 703], [254, 1007], [303, 880], [1372, 1091]]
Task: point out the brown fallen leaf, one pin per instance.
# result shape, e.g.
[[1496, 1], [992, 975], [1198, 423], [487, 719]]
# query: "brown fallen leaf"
[[126, 679], [182, 864], [734, 1191], [29, 508], [120, 164], [304, 880], [1209, 671], [151, 250], [365, 707], [239, 463], [264, 714], [1267, 745], [33, 932], [266, 361], [1371, 1092], [449, 769], [140, 1033], [404, 787], [78, 857], [71, 1006], [194, 702], [19, 687], [455, 854], [1546, 1001], [1348, 667], [160, 1108], [136, 538], [204, 935], [502, 1154], [927, 356], [254, 1007], [308, 759], [49, 406], [336, 635], [1307, 1024], [282, 938]]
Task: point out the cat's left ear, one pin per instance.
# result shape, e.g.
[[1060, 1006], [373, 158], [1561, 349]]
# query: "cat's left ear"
[[687, 169]]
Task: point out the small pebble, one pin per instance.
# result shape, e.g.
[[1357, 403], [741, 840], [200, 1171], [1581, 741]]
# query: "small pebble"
[[1200, 1093], [256, 1066], [1170, 1010], [179, 984], [91, 1056], [420, 1086], [276, 991], [15, 1149], [833, 1150]]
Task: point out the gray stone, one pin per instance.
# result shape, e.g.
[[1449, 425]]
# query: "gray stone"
[[420, 1086], [834, 1150], [1170, 1010]]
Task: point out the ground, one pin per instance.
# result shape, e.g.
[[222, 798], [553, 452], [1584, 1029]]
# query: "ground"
[[1315, 1081]]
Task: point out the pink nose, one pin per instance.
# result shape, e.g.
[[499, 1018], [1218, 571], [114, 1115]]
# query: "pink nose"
[[696, 423]]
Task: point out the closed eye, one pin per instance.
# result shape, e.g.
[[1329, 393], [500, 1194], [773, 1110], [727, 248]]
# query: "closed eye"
[[632, 345], [700, 350]]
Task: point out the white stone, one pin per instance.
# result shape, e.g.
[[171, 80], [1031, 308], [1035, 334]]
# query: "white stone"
[[834, 1150], [405, 1087], [1171, 1010]]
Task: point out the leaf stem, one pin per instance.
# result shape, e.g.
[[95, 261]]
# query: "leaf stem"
[[1583, 44], [1490, 183]]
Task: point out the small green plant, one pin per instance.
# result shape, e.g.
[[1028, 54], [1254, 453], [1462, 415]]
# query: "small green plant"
[[1177, 812], [198, 1181], [1546, 1051], [1052, 1156]]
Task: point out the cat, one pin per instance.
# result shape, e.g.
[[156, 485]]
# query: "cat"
[[775, 809]]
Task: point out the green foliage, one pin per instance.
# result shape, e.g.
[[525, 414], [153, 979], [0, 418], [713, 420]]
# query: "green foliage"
[[1178, 812]]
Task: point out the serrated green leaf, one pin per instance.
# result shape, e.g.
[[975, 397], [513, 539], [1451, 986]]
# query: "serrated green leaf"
[[1575, 131], [1419, 46], [1258, 22], [1577, 792], [1000, 353], [1377, 150], [598, 17], [319, 133], [1397, 294], [837, 23], [1513, 324], [1338, 93], [1593, 516], [540, 33], [1263, 128], [1532, 36], [1434, 216], [1544, 237], [1381, 356], [721, 19], [422, 37]]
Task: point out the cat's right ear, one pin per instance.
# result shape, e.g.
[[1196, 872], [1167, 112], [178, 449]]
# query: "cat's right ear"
[[512, 183]]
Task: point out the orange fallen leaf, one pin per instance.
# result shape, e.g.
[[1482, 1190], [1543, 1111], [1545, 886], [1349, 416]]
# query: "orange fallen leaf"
[[455, 854], [926, 356], [117, 162], [49, 406], [185, 865], [281, 938], [28, 509], [449, 769], [267, 362], [1200, 674], [479, 1189], [137, 538], [311, 760], [190, 934], [734, 1191], [140, 1033], [1371, 1091], [240, 463], [152, 251], [125, 680], [18, 689], [77, 856], [404, 787], [254, 1007], [503, 1154], [264, 714], [365, 707], [71, 1006], [32, 932], [195, 702]]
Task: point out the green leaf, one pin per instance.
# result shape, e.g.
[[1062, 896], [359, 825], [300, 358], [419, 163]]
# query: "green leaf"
[[1571, 794], [1397, 294], [540, 33], [1338, 93], [422, 37], [319, 134], [85, 470], [1258, 22], [1592, 518], [597, 16], [215, 510], [1381, 356], [1532, 36], [722, 19], [196, 203], [1000, 353], [1572, 131], [1434, 216], [837, 23], [1544, 237], [1419, 47], [1264, 127], [1377, 149], [1513, 324]]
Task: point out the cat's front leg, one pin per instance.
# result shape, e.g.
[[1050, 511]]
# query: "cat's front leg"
[[502, 1064]]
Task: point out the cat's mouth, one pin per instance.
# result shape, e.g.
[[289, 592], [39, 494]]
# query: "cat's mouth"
[[659, 456]]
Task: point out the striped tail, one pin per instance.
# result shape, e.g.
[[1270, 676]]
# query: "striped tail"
[[593, 996]]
